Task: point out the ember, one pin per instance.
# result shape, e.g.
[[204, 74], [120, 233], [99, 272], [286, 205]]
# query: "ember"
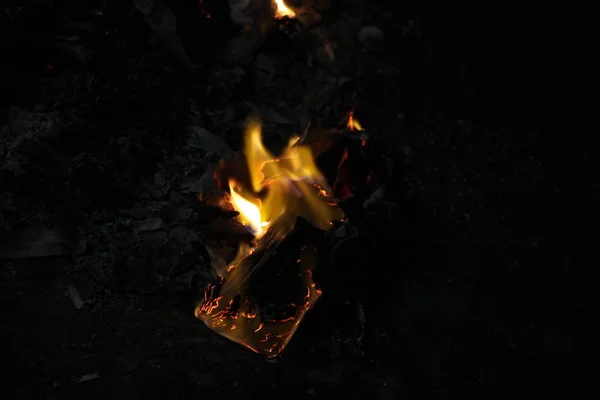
[[270, 196]]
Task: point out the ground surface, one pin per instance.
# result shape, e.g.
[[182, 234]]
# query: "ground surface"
[[468, 288]]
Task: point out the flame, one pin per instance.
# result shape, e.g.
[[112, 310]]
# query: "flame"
[[352, 123], [281, 188], [282, 10], [278, 190], [249, 211]]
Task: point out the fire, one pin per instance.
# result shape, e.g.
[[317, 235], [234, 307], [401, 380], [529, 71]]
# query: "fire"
[[276, 192], [281, 188], [249, 211], [352, 123], [282, 10]]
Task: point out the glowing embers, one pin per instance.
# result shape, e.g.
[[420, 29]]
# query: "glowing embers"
[[269, 287], [264, 297]]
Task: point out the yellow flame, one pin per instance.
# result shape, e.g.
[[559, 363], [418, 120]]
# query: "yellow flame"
[[293, 184], [249, 211], [283, 10], [293, 140]]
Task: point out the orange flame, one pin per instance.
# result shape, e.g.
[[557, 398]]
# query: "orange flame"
[[282, 10], [281, 190], [352, 123]]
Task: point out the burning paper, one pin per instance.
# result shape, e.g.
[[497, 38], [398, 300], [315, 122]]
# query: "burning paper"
[[263, 298], [269, 287]]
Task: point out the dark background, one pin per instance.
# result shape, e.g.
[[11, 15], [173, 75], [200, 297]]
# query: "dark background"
[[474, 290]]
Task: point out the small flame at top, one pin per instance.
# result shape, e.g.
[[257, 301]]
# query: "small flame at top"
[[352, 123], [283, 10]]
